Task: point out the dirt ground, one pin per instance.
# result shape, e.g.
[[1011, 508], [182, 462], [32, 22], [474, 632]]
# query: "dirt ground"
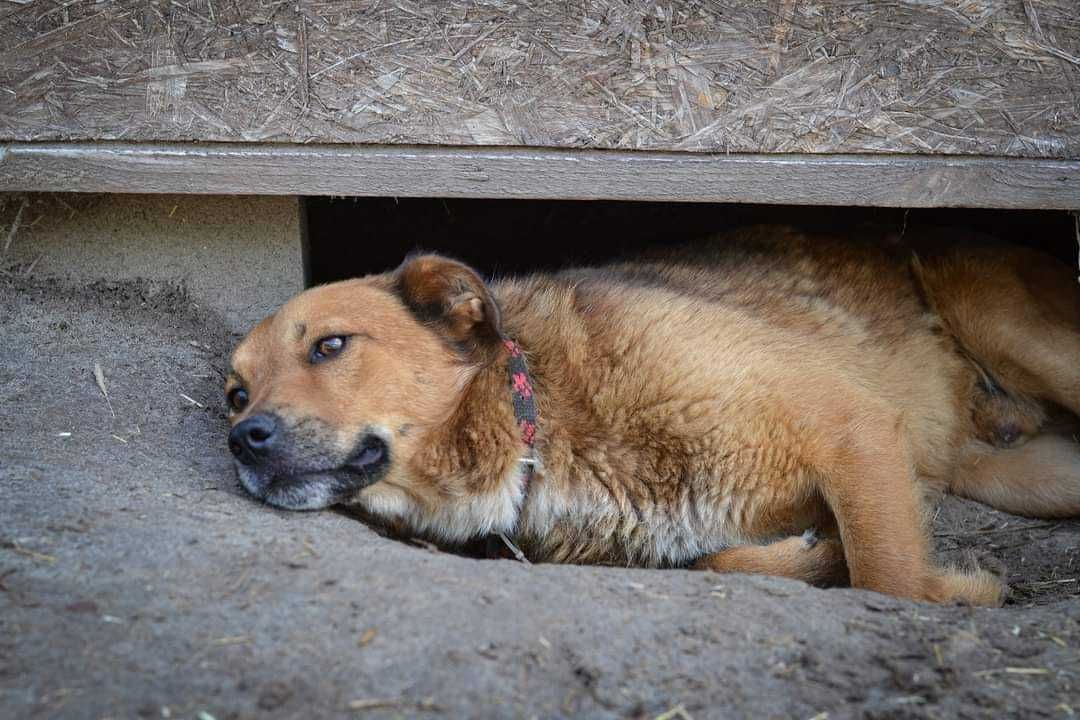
[[136, 581]]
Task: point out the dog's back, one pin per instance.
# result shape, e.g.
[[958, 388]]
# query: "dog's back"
[[755, 312]]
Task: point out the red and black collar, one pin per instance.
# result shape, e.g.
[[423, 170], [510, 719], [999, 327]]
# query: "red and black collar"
[[525, 415], [523, 399]]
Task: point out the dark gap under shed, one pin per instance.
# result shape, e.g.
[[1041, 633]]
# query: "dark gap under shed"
[[350, 237]]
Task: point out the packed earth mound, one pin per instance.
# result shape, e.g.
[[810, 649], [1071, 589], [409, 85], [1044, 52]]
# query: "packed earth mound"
[[137, 581]]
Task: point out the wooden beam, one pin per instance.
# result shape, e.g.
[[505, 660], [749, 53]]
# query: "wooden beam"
[[260, 169]]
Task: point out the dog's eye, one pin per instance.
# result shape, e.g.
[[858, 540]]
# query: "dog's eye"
[[328, 347], [238, 399]]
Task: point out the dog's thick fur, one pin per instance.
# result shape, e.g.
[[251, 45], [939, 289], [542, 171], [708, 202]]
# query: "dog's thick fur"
[[699, 407]]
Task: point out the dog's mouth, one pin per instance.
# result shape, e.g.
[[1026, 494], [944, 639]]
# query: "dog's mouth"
[[317, 489], [370, 457]]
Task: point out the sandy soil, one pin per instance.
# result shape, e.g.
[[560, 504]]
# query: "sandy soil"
[[136, 580]]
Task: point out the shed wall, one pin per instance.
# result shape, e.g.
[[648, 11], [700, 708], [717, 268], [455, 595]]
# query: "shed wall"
[[984, 77]]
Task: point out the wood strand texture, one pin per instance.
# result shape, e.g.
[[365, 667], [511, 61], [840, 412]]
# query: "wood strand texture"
[[979, 77]]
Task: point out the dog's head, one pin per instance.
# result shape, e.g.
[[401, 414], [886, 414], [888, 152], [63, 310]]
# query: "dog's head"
[[337, 390]]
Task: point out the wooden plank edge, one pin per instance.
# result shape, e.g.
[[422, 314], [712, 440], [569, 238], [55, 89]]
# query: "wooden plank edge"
[[411, 171]]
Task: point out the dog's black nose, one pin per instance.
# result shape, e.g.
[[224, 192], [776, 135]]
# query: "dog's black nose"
[[252, 439]]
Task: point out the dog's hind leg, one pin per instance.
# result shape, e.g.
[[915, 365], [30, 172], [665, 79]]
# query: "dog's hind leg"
[[1041, 478], [1016, 311], [814, 560]]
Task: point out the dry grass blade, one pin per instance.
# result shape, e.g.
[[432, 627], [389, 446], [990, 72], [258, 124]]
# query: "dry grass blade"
[[514, 549], [192, 400], [232, 640], [427, 704], [676, 713], [1012, 671], [14, 225], [99, 377], [1000, 531], [18, 549], [372, 704], [30, 268]]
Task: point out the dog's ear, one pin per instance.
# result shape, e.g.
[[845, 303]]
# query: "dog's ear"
[[451, 296]]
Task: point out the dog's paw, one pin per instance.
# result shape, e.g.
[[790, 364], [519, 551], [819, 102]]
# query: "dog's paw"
[[810, 537], [972, 560], [978, 588], [988, 562]]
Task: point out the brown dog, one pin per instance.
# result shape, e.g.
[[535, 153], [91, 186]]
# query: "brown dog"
[[704, 406]]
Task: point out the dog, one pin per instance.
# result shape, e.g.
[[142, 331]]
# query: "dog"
[[768, 402]]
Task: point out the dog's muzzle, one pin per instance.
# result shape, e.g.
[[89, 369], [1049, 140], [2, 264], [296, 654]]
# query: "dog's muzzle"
[[291, 473]]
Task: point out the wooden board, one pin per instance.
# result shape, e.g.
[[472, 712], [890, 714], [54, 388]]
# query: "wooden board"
[[983, 77], [884, 181]]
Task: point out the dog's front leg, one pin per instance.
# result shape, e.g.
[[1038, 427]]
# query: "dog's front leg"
[[814, 560], [867, 477]]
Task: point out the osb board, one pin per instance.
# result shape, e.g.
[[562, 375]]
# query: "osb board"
[[989, 77]]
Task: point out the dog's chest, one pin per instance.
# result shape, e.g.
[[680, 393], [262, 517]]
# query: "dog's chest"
[[597, 524]]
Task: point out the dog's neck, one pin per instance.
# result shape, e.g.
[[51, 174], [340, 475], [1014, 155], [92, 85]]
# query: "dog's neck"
[[473, 458], [479, 458], [479, 450], [566, 512]]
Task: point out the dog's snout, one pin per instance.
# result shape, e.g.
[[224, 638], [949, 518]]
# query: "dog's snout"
[[253, 438]]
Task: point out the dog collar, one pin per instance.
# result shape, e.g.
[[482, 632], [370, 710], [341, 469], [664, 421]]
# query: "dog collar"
[[521, 395], [525, 414]]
